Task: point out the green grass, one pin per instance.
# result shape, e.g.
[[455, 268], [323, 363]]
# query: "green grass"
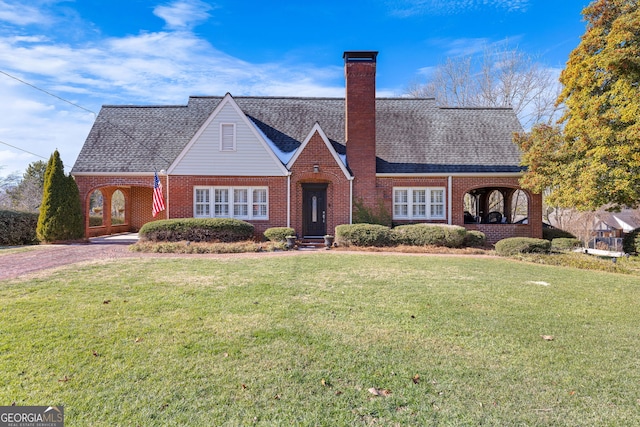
[[299, 340]]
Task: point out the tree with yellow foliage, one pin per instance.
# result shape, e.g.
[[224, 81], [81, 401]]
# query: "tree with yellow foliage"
[[593, 158]]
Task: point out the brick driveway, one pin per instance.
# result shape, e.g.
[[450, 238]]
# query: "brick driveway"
[[44, 257]]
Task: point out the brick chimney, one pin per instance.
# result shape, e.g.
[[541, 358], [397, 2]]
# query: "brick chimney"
[[360, 122]]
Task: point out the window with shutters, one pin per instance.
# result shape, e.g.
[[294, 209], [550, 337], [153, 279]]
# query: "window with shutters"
[[227, 137]]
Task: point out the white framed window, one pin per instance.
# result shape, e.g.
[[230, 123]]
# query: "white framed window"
[[418, 203], [202, 202], [231, 202], [227, 137]]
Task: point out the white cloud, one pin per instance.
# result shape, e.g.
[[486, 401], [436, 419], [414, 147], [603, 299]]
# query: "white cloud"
[[406, 8], [162, 67], [21, 14], [183, 14]]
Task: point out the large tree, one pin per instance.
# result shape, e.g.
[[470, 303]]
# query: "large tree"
[[61, 212], [501, 77], [27, 195], [593, 158]]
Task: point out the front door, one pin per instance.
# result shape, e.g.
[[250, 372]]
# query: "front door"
[[314, 210]]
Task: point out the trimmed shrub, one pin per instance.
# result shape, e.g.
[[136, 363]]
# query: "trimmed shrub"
[[475, 239], [520, 245], [565, 244], [550, 233], [451, 236], [197, 230], [631, 242], [364, 235], [278, 234], [18, 228]]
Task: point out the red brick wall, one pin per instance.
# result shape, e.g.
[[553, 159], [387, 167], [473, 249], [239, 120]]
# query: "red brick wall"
[[338, 189], [462, 185], [182, 193], [138, 192], [361, 128]]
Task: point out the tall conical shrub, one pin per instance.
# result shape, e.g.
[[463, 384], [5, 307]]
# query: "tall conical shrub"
[[61, 211]]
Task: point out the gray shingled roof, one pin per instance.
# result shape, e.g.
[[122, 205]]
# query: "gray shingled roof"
[[413, 135]]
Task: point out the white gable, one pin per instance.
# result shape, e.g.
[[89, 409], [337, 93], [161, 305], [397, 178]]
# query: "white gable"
[[243, 153]]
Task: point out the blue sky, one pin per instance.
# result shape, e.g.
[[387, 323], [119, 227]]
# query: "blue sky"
[[97, 52]]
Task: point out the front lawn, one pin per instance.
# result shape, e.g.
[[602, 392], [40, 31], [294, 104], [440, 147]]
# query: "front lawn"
[[323, 339]]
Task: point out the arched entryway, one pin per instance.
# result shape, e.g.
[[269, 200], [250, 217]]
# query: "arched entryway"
[[107, 211], [496, 205]]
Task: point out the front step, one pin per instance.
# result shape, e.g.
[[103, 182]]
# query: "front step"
[[307, 243]]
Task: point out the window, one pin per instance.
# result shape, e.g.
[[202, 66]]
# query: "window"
[[202, 202], [260, 203], [221, 202], [227, 137], [418, 203], [231, 202]]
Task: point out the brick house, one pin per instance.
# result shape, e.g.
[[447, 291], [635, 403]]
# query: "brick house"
[[308, 162]]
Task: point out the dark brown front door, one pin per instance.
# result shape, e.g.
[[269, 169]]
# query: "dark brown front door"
[[314, 210]]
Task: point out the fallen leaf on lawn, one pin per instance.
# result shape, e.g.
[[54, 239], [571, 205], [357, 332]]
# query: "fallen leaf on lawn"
[[226, 355], [379, 391], [96, 354], [276, 397], [139, 339], [64, 380], [547, 337], [338, 393], [107, 301], [416, 379], [572, 392], [244, 387]]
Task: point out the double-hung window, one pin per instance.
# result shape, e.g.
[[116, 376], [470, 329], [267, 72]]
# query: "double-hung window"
[[231, 202], [415, 203]]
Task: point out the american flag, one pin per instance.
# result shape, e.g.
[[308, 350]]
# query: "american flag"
[[158, 199]]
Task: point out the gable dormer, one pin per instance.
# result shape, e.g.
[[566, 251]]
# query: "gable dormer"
[[228, 144]]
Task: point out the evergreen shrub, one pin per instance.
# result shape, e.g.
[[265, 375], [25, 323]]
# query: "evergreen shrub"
[[197, 230], [451, 236], [518, 245], [565, 244], [18, 228], [475, 239], [278, 234], [364, 235]]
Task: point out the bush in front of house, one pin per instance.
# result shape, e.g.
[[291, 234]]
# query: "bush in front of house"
[[631, 242], [475, 239], [197, 230], [520, 245], [278, 234], [364, 235], [451, 236], [18, 228], [550, 233], [565, 244]]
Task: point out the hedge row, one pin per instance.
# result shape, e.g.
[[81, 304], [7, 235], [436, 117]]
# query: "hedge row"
[[631, 242], [520, 245], [18, 228], [197, 230], [451, 236]]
